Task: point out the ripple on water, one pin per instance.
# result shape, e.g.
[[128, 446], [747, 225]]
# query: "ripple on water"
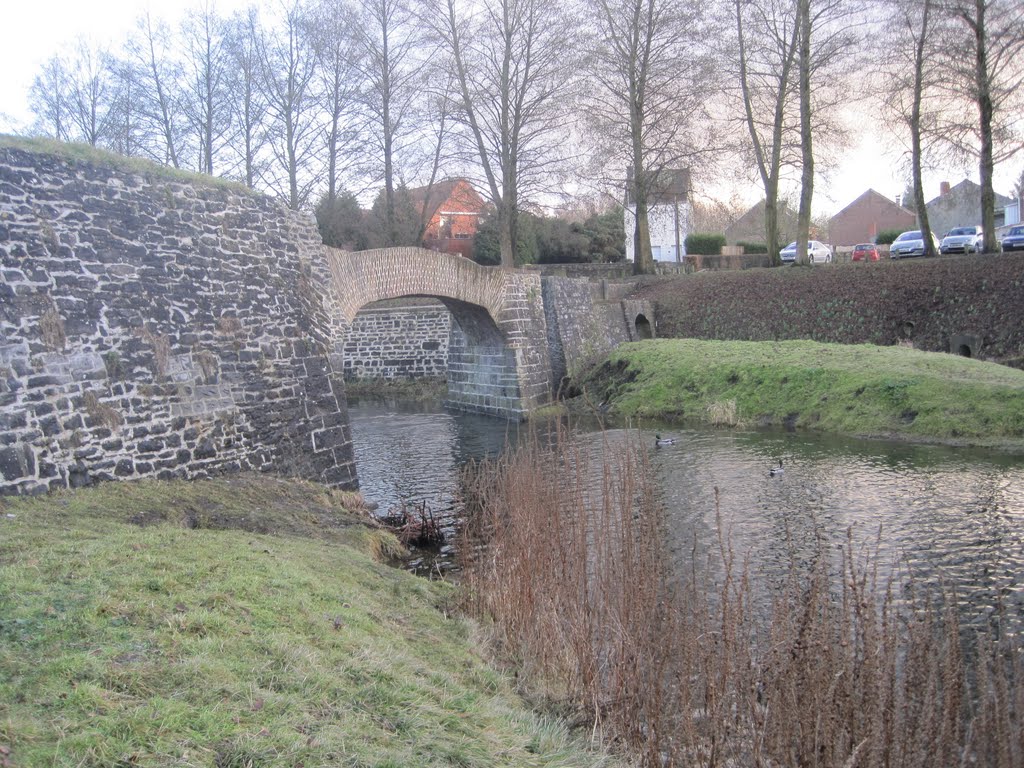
[[951, 516]]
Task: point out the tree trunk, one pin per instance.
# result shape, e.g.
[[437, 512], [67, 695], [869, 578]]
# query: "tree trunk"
[[806, 149], [915, 132], [643, 259], [985, 110]]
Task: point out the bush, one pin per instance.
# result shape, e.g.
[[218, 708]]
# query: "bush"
[[754, 247], [342, 223], [704, 243], [886, 236]]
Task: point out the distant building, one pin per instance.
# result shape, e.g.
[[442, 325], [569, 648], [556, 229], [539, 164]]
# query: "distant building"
[[960, 206], [865, 217], [452, 210], [668, 215], [749, 228]]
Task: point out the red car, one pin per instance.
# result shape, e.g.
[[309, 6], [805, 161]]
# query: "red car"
[[865, 252]]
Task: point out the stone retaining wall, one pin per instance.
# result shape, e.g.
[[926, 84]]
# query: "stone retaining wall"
[[155, 327], [407, 341]]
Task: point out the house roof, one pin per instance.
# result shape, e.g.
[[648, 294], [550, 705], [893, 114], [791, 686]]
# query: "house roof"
[[871, 194], [968, 187], [430, 198]]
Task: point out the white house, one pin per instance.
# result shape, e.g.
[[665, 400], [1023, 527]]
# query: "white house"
[[669, 214]]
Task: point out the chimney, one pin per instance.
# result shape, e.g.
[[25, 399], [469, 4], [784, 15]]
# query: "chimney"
[[943, 188]]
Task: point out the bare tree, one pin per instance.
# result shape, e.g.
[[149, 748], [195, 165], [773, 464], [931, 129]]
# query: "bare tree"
[[803, 60], [794, 79], [992, 75], [652, 77], [338, 85], [766, 61], [125, 118], [205, 100], [911, 77], [391, 60], [248, 105], [49, 99], [509, 59], [89, 92], [157, 75], [288, 68]]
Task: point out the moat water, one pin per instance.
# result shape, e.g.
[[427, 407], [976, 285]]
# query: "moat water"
[[951, 517]]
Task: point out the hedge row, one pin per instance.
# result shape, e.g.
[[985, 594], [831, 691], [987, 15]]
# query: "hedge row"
[[926, 301], [704, 243]]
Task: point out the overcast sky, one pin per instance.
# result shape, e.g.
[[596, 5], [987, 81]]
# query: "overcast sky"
[[34, 30]]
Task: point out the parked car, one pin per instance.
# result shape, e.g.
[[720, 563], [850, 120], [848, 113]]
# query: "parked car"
[[962, 240], [1013, 240], [911, 244], [865, 252], [817, 253]]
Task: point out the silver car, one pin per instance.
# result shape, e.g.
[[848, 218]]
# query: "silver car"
[[962, 240], [817, 253], [910, 244]]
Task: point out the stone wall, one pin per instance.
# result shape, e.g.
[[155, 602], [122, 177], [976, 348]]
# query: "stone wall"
[[404, 341], [157, 327], [586, 320]]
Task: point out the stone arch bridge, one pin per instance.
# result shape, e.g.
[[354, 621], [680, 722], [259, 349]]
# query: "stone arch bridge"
[[159, 326], [499, 359]]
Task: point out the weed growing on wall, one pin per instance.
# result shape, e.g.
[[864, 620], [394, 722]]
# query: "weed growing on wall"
[[51, 327]]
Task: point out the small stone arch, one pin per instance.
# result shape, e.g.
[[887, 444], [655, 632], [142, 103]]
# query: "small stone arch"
[[642, 327], [965, 344]]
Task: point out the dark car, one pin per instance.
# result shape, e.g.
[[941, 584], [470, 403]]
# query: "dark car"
[[1013, 240], [865, 252]]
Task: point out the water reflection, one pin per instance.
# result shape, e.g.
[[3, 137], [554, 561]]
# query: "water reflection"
[[951, 516], [411, 454]]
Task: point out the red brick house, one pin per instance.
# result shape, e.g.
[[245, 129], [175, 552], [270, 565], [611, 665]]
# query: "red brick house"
[[865, 217], [452, 210]]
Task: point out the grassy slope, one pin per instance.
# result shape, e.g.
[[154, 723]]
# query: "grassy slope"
[[101, 157], [167, 641], [857, 390]]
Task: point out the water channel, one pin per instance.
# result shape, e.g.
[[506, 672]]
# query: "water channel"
[[949, 515]]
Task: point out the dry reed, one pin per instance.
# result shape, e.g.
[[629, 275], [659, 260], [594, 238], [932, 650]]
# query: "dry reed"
[[563, 551]]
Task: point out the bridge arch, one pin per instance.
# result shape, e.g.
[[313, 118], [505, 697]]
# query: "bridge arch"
[[497, 361]]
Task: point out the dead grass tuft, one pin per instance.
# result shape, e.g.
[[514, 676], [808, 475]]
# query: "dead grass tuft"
[[101, 413], [161, 346], [51, 328], [722, 413]]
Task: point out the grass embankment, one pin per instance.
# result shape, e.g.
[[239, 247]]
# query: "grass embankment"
[[86, 153], [855, 390], [242, 622]]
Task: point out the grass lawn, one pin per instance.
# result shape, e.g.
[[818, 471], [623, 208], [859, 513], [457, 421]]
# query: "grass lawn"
[[849, 389], [239, 622]]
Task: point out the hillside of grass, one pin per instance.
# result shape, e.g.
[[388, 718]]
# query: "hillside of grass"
[[85, 153], [245, 622], [849, 389]]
